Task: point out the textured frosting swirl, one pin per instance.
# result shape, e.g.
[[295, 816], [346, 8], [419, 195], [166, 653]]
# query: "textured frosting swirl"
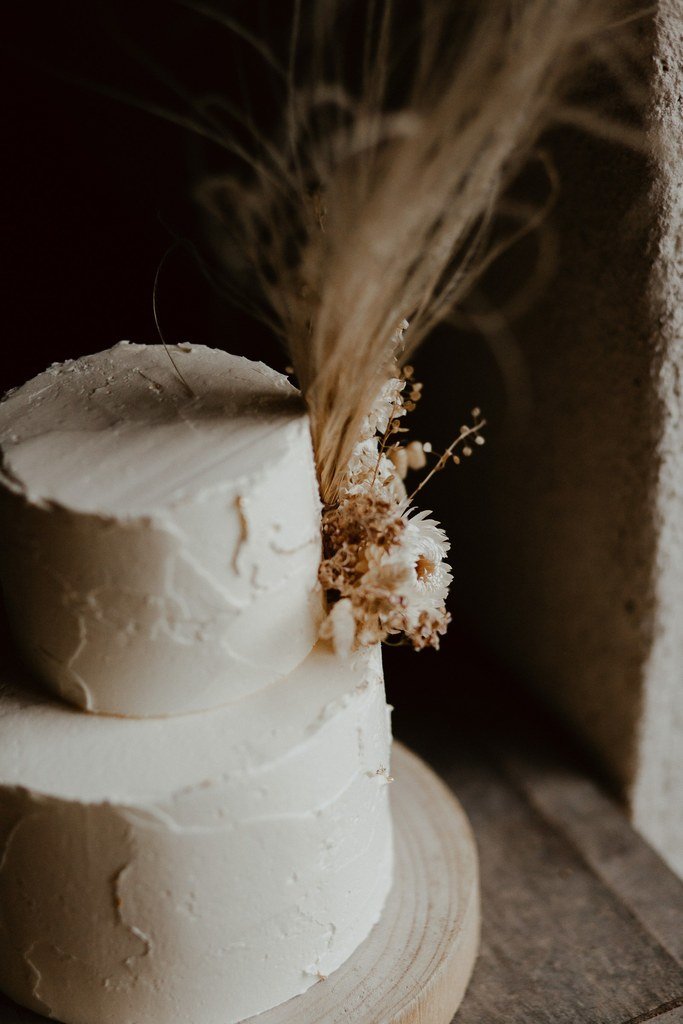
[[199, 868]]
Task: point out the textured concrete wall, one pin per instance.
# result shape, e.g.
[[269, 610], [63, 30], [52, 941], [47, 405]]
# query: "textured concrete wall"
[[657, 784], [575, 563]]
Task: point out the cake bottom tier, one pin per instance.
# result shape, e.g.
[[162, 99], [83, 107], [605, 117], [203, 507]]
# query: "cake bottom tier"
[[195, 869]]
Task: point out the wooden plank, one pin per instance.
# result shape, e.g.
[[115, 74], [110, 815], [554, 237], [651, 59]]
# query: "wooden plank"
[[558, 946], [665, 1014], [597, 827]]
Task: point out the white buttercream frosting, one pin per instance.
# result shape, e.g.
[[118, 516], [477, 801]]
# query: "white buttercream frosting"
[[195, 869], [160, 547]]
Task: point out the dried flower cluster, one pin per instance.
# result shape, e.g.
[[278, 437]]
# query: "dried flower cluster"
[[384, 563]]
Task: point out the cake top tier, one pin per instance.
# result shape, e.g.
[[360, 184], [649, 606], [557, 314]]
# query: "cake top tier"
[[119, 432], [159, 531]]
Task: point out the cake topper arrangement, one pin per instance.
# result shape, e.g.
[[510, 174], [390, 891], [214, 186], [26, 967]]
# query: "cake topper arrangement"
[[384, 562], [361, 221]]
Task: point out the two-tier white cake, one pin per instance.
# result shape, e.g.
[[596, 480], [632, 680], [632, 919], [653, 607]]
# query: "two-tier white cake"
[[214, 837]]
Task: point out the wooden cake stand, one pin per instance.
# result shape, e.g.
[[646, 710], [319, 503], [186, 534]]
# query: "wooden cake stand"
[[415, 965]]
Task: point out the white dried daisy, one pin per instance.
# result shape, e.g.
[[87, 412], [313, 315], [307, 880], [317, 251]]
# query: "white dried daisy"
[[425, 546]]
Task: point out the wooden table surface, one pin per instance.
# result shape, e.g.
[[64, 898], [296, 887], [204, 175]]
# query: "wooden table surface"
[[582, 921]]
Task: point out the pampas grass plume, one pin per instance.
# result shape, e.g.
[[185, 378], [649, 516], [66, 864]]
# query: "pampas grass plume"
[[374, 201]]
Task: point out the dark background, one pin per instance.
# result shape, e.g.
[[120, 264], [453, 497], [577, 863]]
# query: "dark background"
[[97, 191]]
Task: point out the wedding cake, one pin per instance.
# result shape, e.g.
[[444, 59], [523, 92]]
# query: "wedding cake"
[[194, 823]]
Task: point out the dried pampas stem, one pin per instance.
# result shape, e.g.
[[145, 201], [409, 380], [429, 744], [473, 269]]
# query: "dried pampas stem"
[[376, 205]]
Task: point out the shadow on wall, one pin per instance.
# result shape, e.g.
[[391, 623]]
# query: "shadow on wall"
[[553, 532]]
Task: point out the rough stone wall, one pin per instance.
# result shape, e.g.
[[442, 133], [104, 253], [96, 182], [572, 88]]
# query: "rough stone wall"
[[657, 785]]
